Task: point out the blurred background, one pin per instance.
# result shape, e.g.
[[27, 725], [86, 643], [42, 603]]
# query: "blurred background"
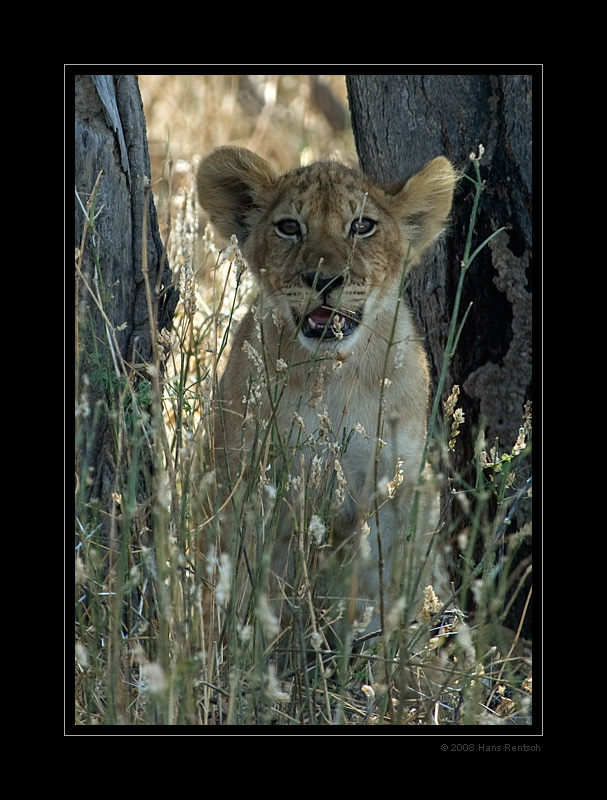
[[290, 120]]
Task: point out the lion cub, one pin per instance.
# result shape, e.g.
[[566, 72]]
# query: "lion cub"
[[321, 412]]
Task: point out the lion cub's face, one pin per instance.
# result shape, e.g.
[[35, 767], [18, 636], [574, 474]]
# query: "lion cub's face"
[[327, 245]]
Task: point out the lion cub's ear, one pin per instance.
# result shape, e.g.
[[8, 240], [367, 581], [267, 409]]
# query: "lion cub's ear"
[[229, 182], [424, 201]]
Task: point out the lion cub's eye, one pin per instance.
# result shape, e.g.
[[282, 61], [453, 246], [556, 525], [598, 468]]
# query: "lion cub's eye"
[[288, 227], [362, 227]]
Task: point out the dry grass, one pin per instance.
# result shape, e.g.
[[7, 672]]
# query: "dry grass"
[[288, 119], [170, 664]]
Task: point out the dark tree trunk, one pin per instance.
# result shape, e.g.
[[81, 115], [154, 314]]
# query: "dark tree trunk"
[[114, 328], [402, 121]]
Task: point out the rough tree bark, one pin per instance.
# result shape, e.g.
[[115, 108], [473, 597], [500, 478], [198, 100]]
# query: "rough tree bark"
[[402, 121], [113, 325]]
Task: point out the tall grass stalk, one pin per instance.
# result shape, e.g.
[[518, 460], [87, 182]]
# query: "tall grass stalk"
[[456, 326]]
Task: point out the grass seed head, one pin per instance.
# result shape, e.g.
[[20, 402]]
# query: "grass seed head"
[[316, 529]]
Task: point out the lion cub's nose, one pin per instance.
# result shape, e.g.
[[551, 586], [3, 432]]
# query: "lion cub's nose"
[[320, 282]]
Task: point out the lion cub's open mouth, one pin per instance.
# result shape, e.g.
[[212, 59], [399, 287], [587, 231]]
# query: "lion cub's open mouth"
[[328, 323]]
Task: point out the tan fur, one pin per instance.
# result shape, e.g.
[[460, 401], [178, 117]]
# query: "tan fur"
[[357, 402]]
